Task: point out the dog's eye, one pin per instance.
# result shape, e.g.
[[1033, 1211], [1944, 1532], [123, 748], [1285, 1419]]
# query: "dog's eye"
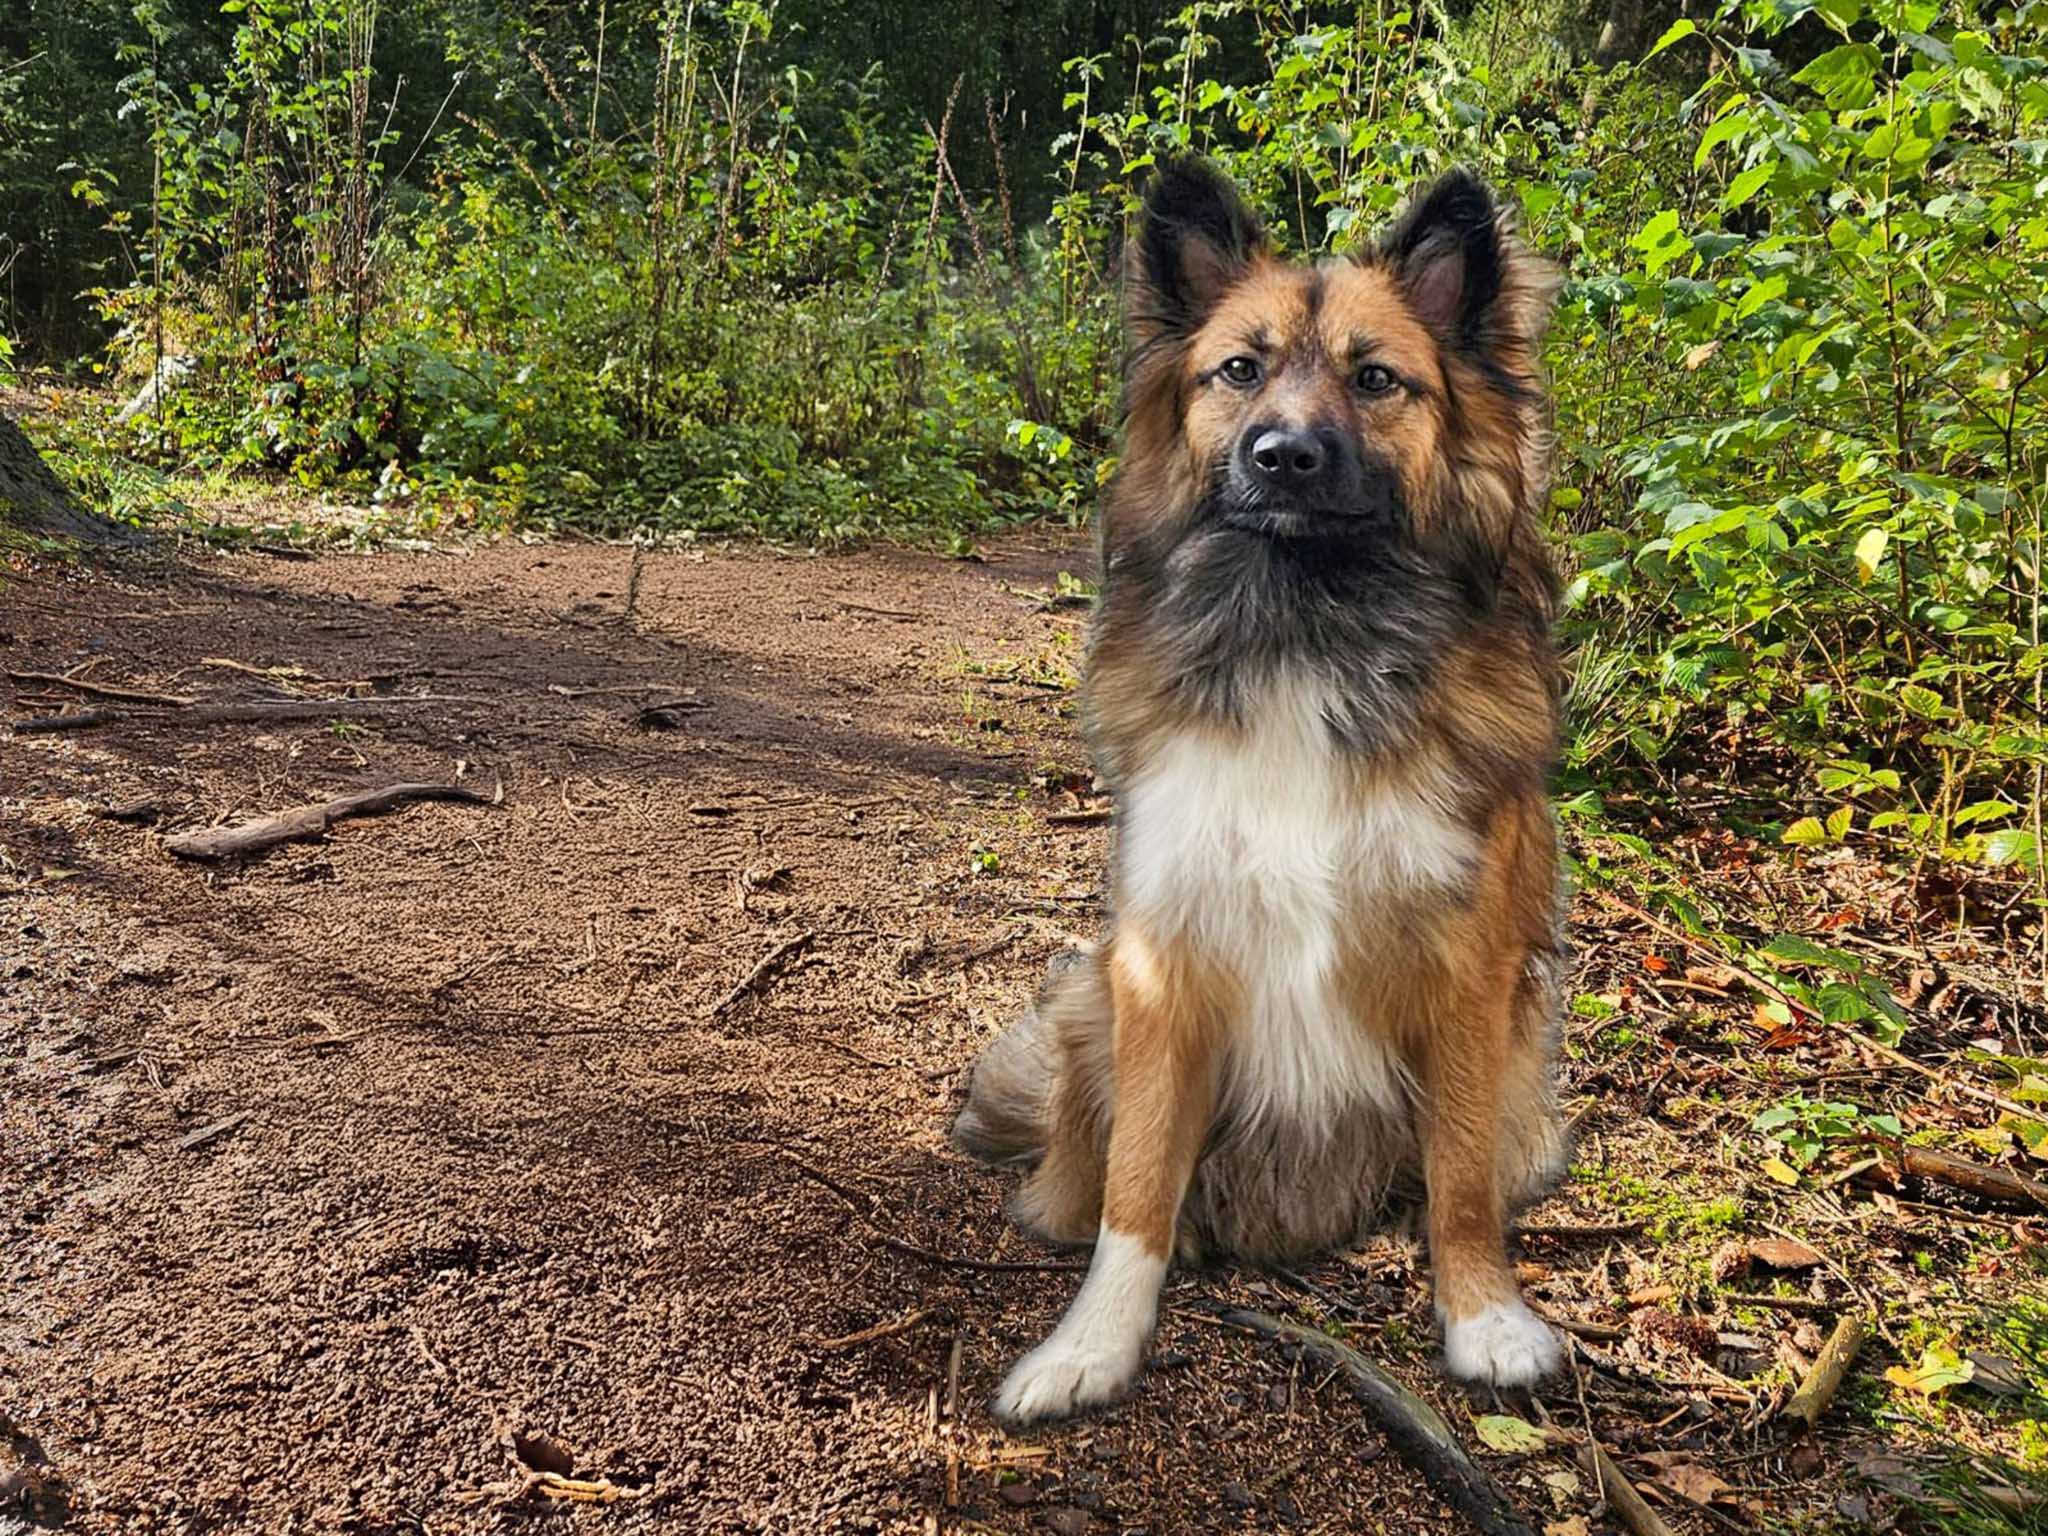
[[1376, 379], [1241, 371]]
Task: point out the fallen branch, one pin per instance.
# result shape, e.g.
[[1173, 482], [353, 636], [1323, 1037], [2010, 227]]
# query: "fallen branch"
[[235, 714], [1416, 1431], [309, 822], [1589, 1230], [81, 720], [1829, 1367], [1087, 818], [1619, 1492], [761, 970], [103, 691], [1989, 1183]]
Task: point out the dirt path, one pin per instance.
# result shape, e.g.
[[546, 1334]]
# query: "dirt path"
[[328, 1175]]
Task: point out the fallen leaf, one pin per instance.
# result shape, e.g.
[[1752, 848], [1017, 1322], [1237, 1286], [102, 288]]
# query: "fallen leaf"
[[1783, 1253], [1650, 1295], [1564, 1482], [1780, 1171], [1656, 965], [1939, 1369], [1512, 1436], [2000, 1375], [1575, 1526], [1685, 1477]]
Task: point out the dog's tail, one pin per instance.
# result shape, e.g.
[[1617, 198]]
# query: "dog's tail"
[[1009, 1095]]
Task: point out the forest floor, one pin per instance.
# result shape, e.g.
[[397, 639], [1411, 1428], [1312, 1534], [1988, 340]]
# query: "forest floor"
[[592, 1140]]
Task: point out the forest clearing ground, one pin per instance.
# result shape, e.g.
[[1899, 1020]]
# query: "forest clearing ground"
[[600, 1133]]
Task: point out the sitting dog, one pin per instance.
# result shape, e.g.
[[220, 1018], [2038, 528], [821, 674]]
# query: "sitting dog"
[[1322, 687]]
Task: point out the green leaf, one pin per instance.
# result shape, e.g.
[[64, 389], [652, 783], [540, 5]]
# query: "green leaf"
[[1845, 77], [1677, 32], [1805, 832], [1939, 1369], [1795, 949], [1924, 702], [1660, 241], [1509, 1435], [2013, 845], [1839, 822], [1748, 184]]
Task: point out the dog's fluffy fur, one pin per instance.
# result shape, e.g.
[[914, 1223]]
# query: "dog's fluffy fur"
[[1327, 711]]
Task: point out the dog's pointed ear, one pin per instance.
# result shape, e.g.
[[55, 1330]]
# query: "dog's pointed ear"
[[1195, 240], [1467, 274]]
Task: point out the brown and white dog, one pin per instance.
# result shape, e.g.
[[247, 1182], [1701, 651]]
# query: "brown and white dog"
[[1321, 684]]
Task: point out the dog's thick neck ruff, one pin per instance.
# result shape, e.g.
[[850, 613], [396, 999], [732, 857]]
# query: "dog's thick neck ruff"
[[1227, 612]]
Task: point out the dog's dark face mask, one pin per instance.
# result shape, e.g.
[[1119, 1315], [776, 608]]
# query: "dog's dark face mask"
[[1299, 431]]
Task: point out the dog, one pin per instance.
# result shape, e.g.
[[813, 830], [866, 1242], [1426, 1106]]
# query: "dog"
[[1322, 688]]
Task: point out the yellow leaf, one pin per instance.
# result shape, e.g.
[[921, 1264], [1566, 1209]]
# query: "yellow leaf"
[[1939, 1369], [1870, 550], [1699, 354], [1781, 1171], [1504, 1432]]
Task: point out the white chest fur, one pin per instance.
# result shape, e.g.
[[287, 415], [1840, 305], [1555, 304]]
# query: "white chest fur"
[[1258, 852]]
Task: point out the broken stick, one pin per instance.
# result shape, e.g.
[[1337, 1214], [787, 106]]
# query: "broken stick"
[[1829, 1367], [761, 971], [887, 1330], [309, 822], [1619, 1492], [2000, 1184], [1416, 1431], [103, 690]]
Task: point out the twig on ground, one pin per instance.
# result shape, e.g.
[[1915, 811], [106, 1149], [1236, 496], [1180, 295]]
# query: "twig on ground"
[[309, 822], [194, 1140], [1811, 1400], [1087, 818], [766, 964], [996, 945], [859, 1206], [1619, 1492], [1416, 1431], [880, 613], [1782, 1303], [234, 714], [103, 691], [888, 1330]]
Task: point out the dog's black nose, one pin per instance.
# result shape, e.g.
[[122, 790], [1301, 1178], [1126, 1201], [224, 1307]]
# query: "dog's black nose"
[[1288, 459]]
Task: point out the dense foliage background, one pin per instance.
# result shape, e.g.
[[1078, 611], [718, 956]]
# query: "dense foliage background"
[[827, 270]]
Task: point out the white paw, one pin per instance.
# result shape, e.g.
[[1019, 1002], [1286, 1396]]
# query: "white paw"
[[1060, 1378], [1504, 1346]]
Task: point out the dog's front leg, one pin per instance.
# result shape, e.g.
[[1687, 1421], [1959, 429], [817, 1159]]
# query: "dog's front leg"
[[1490, 1335], [1166, 1019]]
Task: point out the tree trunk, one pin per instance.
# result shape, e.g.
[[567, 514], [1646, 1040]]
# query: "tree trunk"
[[32, 498], [1621, 35]]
